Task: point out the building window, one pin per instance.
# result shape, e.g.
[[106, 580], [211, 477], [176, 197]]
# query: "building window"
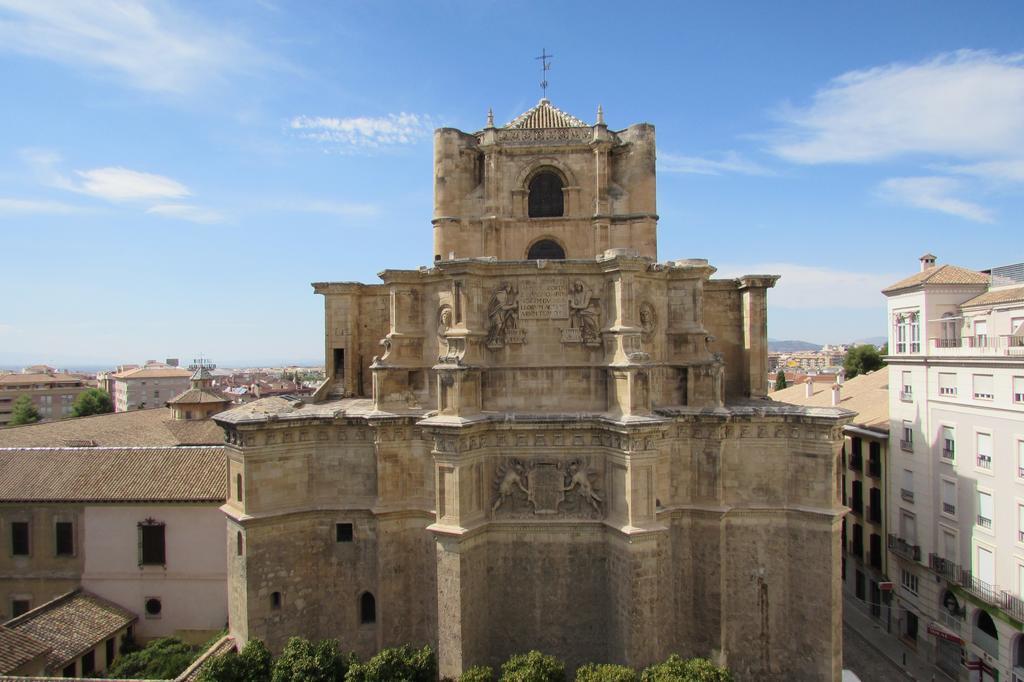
[[151, 543], [907, 390], [907, 490], [985, 509], [985, 569], [546, 198], [948, 443], [1020, 523], [984, 450], [343, 532], [275, 600], [70, 670], [65, 539], [947, 383], [20, 606], [367, 608], [153, 607], [1020, 458], [89, 663], [983, 389], [19, 538], [239, 543], [1018, 389], [110, 651], [908, 580], [980, 333], [907, 441], [948, 497], [238, 487], [546, 249]]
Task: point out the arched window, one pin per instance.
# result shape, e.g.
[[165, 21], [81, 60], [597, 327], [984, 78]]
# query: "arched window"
[[367, 608], [989, 641], [546, 249], [546, 195]]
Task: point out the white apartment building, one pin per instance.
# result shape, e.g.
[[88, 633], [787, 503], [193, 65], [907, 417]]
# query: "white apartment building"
[[143, 387], [956, 498]]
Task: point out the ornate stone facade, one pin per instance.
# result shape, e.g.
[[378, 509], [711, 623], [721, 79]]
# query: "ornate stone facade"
[[574, 455]]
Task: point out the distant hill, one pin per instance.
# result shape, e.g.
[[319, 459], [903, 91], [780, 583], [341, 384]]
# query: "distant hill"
[[776, 346]]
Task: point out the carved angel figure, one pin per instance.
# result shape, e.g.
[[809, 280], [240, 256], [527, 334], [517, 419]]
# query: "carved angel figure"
[[510, 476], [579, 479], [581, 314]]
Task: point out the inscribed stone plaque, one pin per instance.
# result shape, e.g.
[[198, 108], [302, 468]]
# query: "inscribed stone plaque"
[[547, 488], [543, 299]]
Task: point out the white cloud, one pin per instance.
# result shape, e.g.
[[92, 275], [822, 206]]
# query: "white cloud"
[[730, 162], [122, 184], [152, 45], [807, 286], [966, 105], [193, 214], [337, 208], [1011, 170], [10, 205], [364, 132], [935, 194]]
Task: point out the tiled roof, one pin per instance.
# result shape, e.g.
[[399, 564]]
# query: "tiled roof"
[[17, 649], [940, 274], [72, 624], [153, 373], [866, 394], [39, 379], [221, 647], [183, 474], [1009, 295], [195, 396], [545, 115], [145, 428]]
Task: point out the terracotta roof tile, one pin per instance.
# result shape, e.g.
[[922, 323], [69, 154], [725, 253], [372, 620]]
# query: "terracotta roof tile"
[[866, 394], [17, 649], [40, 379], [940, 274], [154, 373], [72, 624], [138, 428], [195, 396], [1010, 295], [182, 474]]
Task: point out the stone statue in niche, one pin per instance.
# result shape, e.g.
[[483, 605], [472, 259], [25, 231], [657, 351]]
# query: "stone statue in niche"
[[444, 320], [510, 478], [503, 318], [648, 320], [583, 316], [579, 480]]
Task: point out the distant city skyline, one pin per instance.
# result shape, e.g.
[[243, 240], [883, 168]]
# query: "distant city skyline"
[[173, 176]]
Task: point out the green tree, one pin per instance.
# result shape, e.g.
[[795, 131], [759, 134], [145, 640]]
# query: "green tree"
[[861, 360], [780, 380], [478, 673], [303, 661], [91, 401], [532, 667], [23, 412], [605, 672], [400, 664], [161, 659], [675, 669]]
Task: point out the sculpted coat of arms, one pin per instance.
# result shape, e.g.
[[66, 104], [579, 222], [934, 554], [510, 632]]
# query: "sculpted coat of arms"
[[541, 487]]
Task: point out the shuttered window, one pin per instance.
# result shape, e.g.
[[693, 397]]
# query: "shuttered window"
[[151, 544]]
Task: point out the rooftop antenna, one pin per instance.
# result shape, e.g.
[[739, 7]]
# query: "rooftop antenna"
[[545, 67]]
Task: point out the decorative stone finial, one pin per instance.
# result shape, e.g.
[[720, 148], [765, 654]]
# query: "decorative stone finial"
[[490, 117], [600, 115]]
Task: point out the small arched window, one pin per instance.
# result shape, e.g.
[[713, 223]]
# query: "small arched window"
[[546, 199], [546, 249], [987, 625], [367, 608]]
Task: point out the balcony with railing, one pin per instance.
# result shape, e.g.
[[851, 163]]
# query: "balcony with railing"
[[991, 594], [984, 462], [907, 495], [904, 549], [907, 395], [906, 444], [948, 454], [984, 344], [949, 508], [984, 521]]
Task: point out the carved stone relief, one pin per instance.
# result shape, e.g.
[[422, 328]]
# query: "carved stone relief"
[[503, 318], [648, 320], [546, 487], [584, 317]]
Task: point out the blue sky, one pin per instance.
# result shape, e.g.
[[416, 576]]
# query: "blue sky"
[[173, 176]]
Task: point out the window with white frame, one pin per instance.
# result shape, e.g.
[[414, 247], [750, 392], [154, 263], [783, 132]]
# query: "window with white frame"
[[907, 441], [915, 334], [983, 387], [908, 527], [907, 489], [984, 450], [907, 390], [948, 497], [908, 333], [981, 333], [985, 509], [948, 443], [1018, 389], [1020, 523], [947, 383], [950, 552], [908, 580], [985, 569]]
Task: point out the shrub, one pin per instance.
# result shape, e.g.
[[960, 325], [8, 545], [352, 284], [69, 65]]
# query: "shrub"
[[478, 673], [161, 659], [401, 664], [675, 669], [605, 672], [532, 667]]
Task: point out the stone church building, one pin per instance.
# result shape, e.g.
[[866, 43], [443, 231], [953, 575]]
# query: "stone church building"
[[547, 439]]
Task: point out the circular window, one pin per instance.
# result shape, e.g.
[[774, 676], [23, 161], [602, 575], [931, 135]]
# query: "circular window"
[[153, 606]]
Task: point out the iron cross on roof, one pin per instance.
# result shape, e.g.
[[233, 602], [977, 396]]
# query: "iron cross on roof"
[[545, 67]]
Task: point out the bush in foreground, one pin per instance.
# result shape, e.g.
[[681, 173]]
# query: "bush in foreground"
[[533, 667], [605, 672], [400, 664], [161, 659], [675, 669]]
